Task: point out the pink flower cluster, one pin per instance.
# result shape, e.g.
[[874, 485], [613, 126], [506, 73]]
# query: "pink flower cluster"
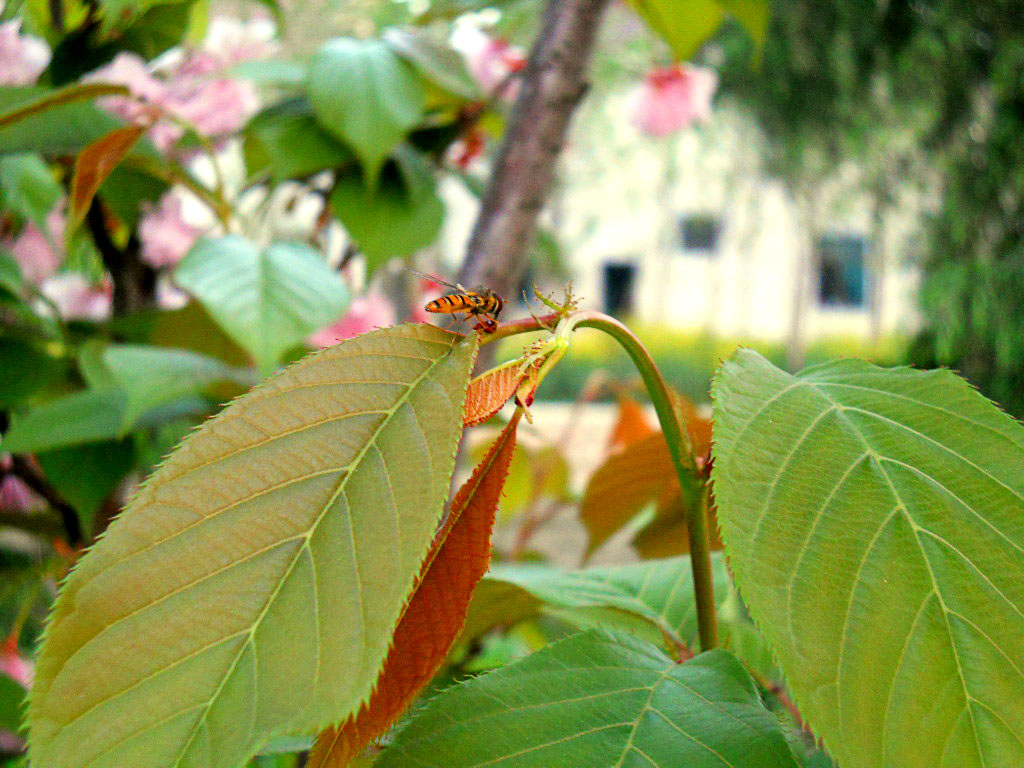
[[166, 236], [22, 57], [195, 89], [490, 60], [671, 98], [40, 254]]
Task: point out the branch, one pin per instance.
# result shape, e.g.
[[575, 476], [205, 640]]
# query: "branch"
[[23, 469], [134, 280], [554, 81]]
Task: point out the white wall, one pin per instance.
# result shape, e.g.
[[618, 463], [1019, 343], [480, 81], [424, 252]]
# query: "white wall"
[[621, 198]]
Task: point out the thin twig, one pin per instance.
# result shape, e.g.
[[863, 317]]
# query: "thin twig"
[[23, 469]]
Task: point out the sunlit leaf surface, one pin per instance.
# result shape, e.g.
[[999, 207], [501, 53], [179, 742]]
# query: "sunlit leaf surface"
[[874, 521], [253, 584], [434, 616], [597, 699]]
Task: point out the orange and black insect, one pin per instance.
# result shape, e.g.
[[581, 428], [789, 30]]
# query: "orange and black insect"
[[482, 303]]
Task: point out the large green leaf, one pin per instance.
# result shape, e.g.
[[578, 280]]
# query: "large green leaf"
[[267, 300], [364, 94], [597, 699], [874, 521], [399, 216], [251, 587]]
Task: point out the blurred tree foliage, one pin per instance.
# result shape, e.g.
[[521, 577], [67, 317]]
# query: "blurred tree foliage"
[[926, 91]]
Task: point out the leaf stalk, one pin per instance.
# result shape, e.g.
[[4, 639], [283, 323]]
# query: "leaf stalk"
[[695, 492]]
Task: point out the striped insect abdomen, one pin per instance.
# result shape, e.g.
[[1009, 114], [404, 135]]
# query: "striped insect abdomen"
[[456, 302]]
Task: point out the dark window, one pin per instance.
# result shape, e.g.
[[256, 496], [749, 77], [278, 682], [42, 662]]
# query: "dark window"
[[841, 278], [700, 233], [618, 288]]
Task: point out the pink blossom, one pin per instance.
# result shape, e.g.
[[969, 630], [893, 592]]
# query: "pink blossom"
[[13, 664], [22, 57], [166, 236], [78, 299], [364, 314], [491, 60], [15, 496], [130, 70], [671, 98], [41, 253], [214, 107]]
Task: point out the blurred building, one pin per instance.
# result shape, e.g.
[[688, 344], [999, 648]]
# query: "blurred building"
[[690, 231]]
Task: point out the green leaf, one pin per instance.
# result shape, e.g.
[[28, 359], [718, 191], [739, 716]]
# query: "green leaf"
[[266, 300], [81, 417], [29, 369], [286, 74], [436, 61], [54, 122], [191, 327], [286, 139], [159, 29], [12, 700], [251, 587], [684, 26], [659, 593], [11, 280], [364, 94], [87, 474], [754, 16], [126, 188], [29, 186], [874, 521], [154, 376], [399, 217], [597, 699]]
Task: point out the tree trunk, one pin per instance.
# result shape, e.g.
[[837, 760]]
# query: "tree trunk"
[[553, 83]]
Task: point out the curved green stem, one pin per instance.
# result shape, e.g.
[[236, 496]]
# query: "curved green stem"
[[690, 482]]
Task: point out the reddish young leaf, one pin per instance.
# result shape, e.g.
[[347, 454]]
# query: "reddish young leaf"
[[624, 485], [436, 612], [95, 164], [631, 425], [667, 535], [642, 473], [489, 392]]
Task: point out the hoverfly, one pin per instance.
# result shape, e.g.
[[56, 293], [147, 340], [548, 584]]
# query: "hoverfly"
[[481, 303]]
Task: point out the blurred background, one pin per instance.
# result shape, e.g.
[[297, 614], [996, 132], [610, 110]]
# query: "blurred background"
[[813, 180]]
